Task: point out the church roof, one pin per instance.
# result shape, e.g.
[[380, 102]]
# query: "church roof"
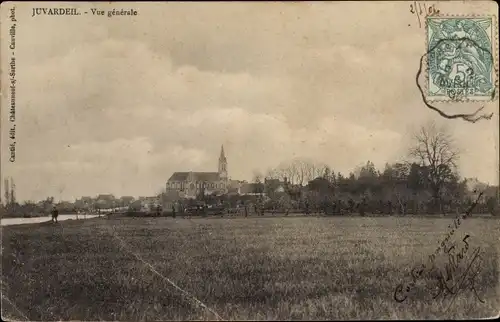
[[206, 176], [197, 176], [179, 176]]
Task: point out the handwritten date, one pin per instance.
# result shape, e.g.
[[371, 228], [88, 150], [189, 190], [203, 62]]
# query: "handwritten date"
[[423, 10]]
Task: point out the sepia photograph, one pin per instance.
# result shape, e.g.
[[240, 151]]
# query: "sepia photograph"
[[179, 161]]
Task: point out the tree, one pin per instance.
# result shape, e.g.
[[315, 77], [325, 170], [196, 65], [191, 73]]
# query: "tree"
[[258, 186], [321, 185], [416, 183], [47, 204], [395, 188], [493, 205], [368, 171], [416, 178], [434, 150], [367, 181], [327, 173], [7, 194], [257, 176], [312, 170], [298, 171]]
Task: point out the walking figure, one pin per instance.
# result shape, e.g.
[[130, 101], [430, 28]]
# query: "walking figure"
[[173, 211], [55, 213]]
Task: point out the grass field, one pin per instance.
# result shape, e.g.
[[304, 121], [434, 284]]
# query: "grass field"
[[240, 268]]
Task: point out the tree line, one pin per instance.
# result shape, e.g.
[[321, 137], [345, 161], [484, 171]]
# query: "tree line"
[[426, 181]]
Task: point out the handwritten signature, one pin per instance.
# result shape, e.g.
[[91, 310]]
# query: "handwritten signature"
[[448, 282], [420, 10], [451, 285], [402, 291]]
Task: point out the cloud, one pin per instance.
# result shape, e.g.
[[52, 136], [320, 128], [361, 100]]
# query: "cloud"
[[111, 107]]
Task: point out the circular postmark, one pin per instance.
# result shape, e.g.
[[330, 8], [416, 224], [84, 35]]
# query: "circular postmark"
[[460, 62]]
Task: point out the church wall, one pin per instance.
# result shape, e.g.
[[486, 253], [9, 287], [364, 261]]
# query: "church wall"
[[177, 185], [210, 187]]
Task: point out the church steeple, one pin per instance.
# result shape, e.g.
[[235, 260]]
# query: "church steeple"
[[222, 155], [222, 164]]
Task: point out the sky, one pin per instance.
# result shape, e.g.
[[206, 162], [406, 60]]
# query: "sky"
[[116, 105]]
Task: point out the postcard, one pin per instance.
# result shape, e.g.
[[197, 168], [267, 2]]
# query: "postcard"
[[249, 160]]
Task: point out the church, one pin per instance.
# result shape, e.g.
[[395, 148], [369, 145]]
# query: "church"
[[191, 184]]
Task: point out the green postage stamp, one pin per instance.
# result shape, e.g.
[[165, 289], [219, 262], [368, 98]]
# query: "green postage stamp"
[[461, 58]]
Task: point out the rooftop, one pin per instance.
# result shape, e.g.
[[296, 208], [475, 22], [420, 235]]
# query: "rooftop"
[[197, 176]]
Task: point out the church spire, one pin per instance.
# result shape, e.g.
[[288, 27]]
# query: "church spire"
[[222, 164], [222, 155]]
